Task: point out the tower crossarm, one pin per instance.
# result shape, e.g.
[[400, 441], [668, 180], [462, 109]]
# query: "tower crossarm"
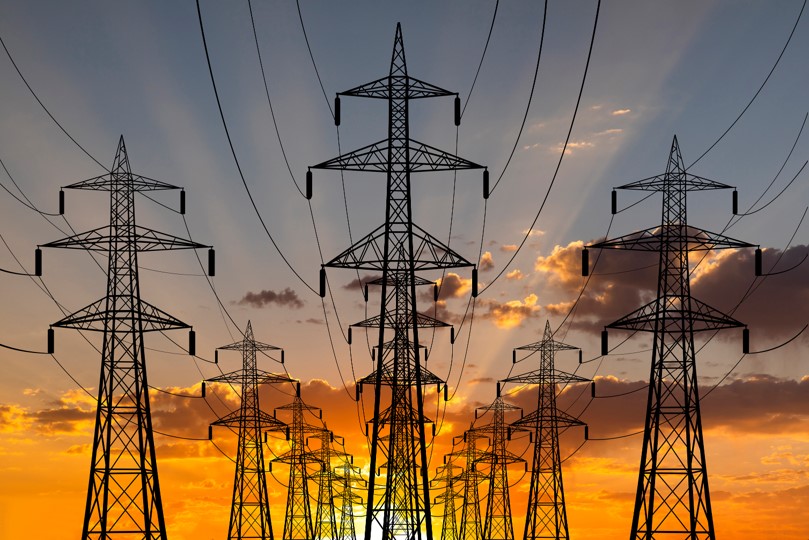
[[692, 238], [248, 344], [262, 377], [105, 182], [96, 315], [429, 253], [380, 88], [375, 158], [667, 313], [389, 377], [662, 182], [144, 239], [541, 377], [238, 418], [539, 418], [421, 320]]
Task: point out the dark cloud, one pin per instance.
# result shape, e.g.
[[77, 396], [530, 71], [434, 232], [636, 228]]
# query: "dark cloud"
[[778, 306], [358, 284], [287, 297]]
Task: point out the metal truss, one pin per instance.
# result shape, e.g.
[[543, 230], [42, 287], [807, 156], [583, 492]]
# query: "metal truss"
[[123, 496], [672, 499], [546, 515], [398, 500], [250, 508]]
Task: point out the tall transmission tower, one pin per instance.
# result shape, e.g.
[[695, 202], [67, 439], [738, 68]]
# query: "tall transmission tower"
[[298, 523], [397, 249], [332, 484], [546, 516], [123, 496], [497, 524], [672, 499], [250, 508]]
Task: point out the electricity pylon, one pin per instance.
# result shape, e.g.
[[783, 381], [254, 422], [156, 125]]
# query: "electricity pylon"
[[298, 524], [347, 475], [672, 498], [330, 484], [123, 496], [250, 508], [398, 249], [471, 527], [446, 474], [497, 524], [546, 516]]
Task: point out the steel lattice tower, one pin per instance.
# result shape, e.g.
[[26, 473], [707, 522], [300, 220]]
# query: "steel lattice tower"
[[546, 516], [471, 527], [328, 484], [298, 523], [123, 496], [446, 474], [497, 524], [398, 249], [347, 474], [673, 500], [250, 509]]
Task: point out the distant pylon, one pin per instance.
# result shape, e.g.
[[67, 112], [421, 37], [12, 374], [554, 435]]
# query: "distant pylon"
[[498, 524], [446, 475], [331, 484], [298, 523], [347, 475], [123, 496], [471, 526], [546, 515], [398, 249], [672, 498], [250, 508]]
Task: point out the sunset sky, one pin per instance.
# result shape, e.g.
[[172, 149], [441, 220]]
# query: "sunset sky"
[[657, 69]]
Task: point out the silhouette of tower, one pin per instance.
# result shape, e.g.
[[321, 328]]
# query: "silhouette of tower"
[[471, 527], [250, 509], [123, 496], [329, 486], [672, 497], [497, 524], [398, 249], [546, 516], [347, 475], [298, 524], [446, 474]]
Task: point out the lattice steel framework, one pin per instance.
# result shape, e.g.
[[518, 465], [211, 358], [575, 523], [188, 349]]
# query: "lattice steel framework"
[[497, 523], [446, 474], [673, 500], [546, 516], [123, 496], [471, 526], [347, 476], [298, 523], [397, 249], [250, 508]]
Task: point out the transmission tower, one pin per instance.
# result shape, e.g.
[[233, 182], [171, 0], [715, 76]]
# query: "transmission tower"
[[250, 509], [330, 484], [546, 516], [672, 499], [347, 475], [397, 250], [298, 524], [497, 524], [446, 475], [471, 527], [123, 496]]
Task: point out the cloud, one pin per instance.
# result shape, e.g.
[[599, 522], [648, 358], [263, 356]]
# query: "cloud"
[[486, 262], [287, 297], [512, 313], [620, 112], [509, 248], [533, 232], [777, 307], [515, 274], [358, 284], [573, 145]]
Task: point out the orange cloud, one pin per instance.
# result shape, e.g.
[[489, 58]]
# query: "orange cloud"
[[486, 262], [512, 313], [515, 274]]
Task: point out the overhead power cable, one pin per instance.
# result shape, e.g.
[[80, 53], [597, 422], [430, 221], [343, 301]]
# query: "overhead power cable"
[[235, 157]]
